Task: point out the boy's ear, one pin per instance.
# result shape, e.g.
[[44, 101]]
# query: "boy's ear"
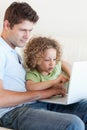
[[39, 62]]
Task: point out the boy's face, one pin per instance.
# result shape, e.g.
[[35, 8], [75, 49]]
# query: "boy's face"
[[19, 34], [48, 62]]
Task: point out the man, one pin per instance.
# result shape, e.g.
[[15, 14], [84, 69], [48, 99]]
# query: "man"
[[18, 107]]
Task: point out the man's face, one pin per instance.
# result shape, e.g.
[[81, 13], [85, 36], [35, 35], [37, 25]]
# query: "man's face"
[[19, 34]]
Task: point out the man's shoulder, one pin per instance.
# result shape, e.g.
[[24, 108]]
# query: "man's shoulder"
[[1, 45]]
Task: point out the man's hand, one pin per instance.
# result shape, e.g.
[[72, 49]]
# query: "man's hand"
[[52, 92]]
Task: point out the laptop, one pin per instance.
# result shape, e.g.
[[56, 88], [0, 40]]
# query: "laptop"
[[77, 88]]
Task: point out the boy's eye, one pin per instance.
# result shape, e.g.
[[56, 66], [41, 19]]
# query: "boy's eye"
[[47, 59], [50, 59]]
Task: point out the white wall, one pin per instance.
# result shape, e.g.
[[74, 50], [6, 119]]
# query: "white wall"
[[57, 17], [66, 20]]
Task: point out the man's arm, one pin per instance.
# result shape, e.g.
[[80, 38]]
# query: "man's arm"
[[11, 98]]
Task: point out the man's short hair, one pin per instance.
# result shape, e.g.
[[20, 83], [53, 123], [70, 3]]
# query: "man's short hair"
[[19, 11]]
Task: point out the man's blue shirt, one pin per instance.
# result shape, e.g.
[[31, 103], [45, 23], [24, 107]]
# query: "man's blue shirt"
[[12, 72]]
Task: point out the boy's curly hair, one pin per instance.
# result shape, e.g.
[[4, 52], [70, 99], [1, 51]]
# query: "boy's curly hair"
[[35, 48]]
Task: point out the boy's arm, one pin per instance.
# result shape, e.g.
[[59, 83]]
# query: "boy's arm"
[[30, 85], [66, 67]]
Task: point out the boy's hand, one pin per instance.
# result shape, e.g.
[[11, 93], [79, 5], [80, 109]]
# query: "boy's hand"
[[62, 79]]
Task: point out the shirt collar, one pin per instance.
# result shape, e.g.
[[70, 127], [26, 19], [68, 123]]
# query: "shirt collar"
[[8, 48]]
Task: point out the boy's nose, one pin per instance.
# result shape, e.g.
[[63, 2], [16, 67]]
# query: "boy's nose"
[[51, 62]]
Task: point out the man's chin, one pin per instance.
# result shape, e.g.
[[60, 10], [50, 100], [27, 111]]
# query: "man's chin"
[[21, 46]]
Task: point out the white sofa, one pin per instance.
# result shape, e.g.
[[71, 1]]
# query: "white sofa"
[[1, 128], [74, 48]]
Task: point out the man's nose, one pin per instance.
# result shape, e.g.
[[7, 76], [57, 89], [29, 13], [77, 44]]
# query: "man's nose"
[[27, 35]]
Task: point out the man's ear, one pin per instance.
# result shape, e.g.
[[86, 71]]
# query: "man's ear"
[[6, 24]]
